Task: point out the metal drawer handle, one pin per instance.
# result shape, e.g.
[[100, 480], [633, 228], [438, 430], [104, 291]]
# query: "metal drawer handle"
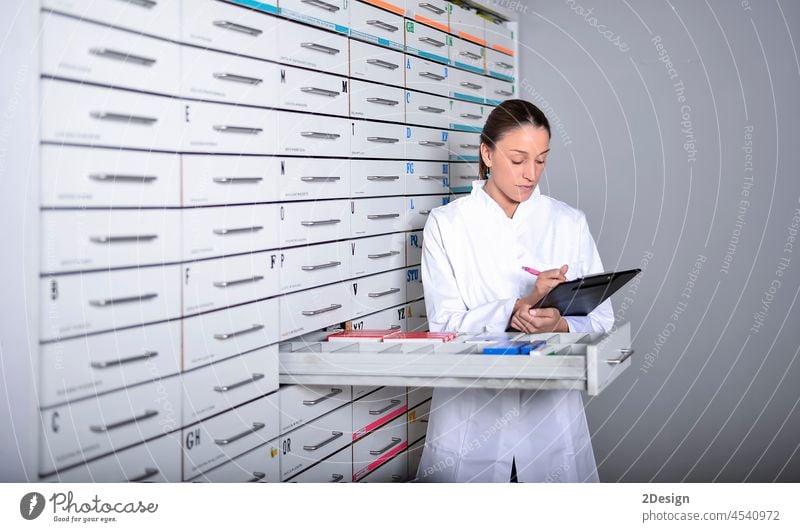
[[431, 75], [318, 400], [428, 177], [471, 116], [431, 41], [99, 429], [226, 76], [425, 212], [382, 25], [323, 5], [379, 452], [122, 238], [320, 178], [382, 64], [316, 267], [469, 146], [429, 109], [226, 441], [397, 478], [226, 284], [626, 353], [142, 3], [235, 230], [238, 129], [384, 140], [383, 255], [471, 55], [122, 56], [319, 135], [119, 300], [321, 92], [335, 435], [121, 117], [254, 378], [384, 293], [257, 475], [473, 86], [383, 177], [320, 48], [382, 216], [392, 403], [469, 177], [235, 180], [312, 223], [228, 336], [336, 477], [430, 143], [123, 178], [383, 101], [335, 306], [149, 472], [120, 361], [503, 64], [431, 7], [247, 30], [503, 93]]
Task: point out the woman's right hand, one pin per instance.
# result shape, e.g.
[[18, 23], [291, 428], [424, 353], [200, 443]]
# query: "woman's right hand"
[[546, 281]]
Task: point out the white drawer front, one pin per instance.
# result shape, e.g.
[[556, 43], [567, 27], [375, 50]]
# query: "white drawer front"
[[413, 248], [433, 13], [420, 207], [303, 134], [303, 179], [210, 75], [312, 48], [215, 441], [373, 216], [426, 177], [377, 26], [427, 76], [314, 309], [84, 367], [427, 144], [418, 396], [361, 391], [394, 470], [468, 116], [310, 266], [464, 146], [499, 37], [262, 464], [161, 18], [377, 254], [427, 109], [462, 174], [217, 231], [377, 292], [302, 404], [80, 114], [378, 447], [221, 26], [391, 318], [416, 317], [229, 129], [499, 91], [100, 239], [213, 389], [468, 86], [468, 55], [427, 42], [413, 284], [336, 468], [314, 221], [78, 304], [330, 14], [218, 283], [376, 64], [229, 179], [80, 431], [377, 178], [312, 92], [467, 25], [310, 443], [377, 102], [500, 65], [87, 52], [418, 421], [222, 334], [86, 177], [377, 140]]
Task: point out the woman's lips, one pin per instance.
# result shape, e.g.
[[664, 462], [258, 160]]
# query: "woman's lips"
[[525, 188]]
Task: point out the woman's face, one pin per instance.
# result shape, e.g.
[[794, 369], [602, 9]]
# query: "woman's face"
[[516, 163]]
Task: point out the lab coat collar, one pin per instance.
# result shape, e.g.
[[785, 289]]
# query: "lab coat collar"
[[486, 201]]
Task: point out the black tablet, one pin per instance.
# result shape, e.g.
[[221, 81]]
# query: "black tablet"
[[580, 296]]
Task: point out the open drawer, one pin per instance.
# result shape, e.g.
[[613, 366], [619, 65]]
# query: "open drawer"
[[573, 361]]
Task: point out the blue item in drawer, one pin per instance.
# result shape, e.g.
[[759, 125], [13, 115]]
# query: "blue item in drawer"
[[512, 348]]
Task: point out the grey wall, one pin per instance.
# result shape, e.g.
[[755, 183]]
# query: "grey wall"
[[691, 174]]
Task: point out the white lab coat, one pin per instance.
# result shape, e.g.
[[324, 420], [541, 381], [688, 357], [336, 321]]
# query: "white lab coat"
[[472, 258]]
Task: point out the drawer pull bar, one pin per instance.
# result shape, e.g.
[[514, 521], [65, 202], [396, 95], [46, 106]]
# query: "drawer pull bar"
[[321, 92], [382, 25], [429, 109], [149, 472], [335, 306], [119, 300], [335, 435], [384, 293], [431, 7], [254, 378], [471, 55], [226, 284], [235, 230], [473, 86], [122, 56], [469, 146], [379, 452], [226, 76], [503, 64], [395, 327], [392, 403], [425, 212], [470, 116], [228, 336], [237, 180], [320, 48], [312, 223], [468, 177], [626, 353], [432, 42], [382, 216], [247, 30], [431, 75], [383, 140], [120, 361], [428, 177], [318, 400], [99, 429], [121, 117], [319, 135], [383, 255], [383, 101], [383, 177], [142, 3], [316, 267], [382, 64], [336, 477], [431, 143], [123, 178], [257, 476], [226, 441], [238, 129], [503, 93], [397, 478], [122, 238], [323, 5], [320, 178]]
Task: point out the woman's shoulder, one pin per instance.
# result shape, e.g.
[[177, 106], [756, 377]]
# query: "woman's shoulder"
[[562, 211]]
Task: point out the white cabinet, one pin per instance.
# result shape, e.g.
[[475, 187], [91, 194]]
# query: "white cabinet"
[[307, 311], [376, 102], [303, 404], [315, 265], [313, 441], [336, 468], [329, 14], [312, 92], [309, 47], [379, 447], [374, 63], [305, 179], [219, 231], [215, 180], [375, 25], [212, 127], [427, 42], [160, 18], [262, 464]]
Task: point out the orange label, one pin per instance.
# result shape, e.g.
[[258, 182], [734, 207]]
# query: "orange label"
[[503, 49], [387, 6], [429, 22]]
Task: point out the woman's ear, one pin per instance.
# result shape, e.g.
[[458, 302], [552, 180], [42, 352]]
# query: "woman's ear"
[[486, 155]]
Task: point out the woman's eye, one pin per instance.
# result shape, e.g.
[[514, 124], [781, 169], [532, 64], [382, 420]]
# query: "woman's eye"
[[539, 162], [517, 162]]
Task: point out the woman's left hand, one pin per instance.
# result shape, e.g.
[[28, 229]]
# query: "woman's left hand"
[[542, 320]]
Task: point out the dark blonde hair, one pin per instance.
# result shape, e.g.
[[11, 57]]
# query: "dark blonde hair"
[[504, 118]]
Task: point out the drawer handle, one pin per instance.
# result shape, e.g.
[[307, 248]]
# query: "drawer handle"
[[471, 55], [470, 116], [254, 378], [397, 478], [315, 178], [323, 5], [429, 109], [383, 101], [226, 284], [392, 403], [238, 129], [316, 267], [384, 293], [123, 178], [226, 441], [431, 143], [395, 327], [473, 86], [318, 400], [237, 180], [228, 336], [379, 452], [503, 64], [122, 56], [335, 306], [382, 216], [321, 92], [425, 212], [319, 135], [431, 75], [257, 476], [503, 92], [469, 146], [336, 477], [235, 230], [99, 429], [142, 3], [335, 435], [428, 177], [383, 177], [382, 64], [320, 48], [431, 7], [382, 25], [247, 30], [383, 140], [626, 353], [149, 472], [383, 255], [119, 300], [312, 223], [226, 76], [468, 177], [121, 117], [432, 42], [120, 361], [122, 238]]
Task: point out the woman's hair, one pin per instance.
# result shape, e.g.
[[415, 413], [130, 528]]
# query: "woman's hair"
[[506, 117]]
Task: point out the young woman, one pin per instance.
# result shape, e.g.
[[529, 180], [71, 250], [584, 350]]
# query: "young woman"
[[473, 253]]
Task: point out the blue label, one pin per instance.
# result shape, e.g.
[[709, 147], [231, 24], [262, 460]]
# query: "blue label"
[[261, 6]]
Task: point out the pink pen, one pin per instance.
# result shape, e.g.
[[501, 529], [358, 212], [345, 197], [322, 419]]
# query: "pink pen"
[[531, 271]]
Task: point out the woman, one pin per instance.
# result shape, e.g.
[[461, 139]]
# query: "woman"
[[473, 252]]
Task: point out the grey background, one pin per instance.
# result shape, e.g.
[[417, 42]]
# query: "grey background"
[[718, 400]]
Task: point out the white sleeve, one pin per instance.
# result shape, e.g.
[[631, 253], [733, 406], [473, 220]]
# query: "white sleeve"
[[601, 319], [445, 308]]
